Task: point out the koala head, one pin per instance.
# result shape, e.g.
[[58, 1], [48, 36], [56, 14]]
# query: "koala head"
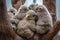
[[41, 8], [12, 10], [31, 15], [23, 9], [33, 6]]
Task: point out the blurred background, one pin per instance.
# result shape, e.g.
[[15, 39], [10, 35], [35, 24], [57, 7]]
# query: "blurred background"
[[27, 3]]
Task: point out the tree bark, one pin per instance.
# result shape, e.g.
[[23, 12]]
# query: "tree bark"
[[50, 35], [6, 31], [17, 3]]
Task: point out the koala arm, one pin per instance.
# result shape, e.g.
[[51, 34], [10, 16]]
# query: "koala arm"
[[32, 27]]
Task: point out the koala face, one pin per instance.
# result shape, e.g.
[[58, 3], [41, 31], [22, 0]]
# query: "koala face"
[[23, 9], [21, 12], [33, 6], [12, 10], [31, 15], [40, 8]]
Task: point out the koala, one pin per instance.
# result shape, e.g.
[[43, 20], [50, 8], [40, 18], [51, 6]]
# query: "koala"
[[44, 22], [21, 12], [33, 6], [26, 26], [12, 11], [13, 20]]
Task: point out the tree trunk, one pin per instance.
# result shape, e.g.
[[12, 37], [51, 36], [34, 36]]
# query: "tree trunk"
[[51, 6], [17, 3], [6, 31], [52, 32]]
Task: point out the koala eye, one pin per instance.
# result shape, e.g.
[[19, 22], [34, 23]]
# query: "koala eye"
[[37, 9], [12, 11], [25, 9], [28, 16], [34, 15], [40, 8]]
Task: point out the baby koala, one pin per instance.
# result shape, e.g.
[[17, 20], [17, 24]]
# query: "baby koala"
[[33, 6], [44, 22], [27, 25], [21, 12], [19, 16], [11, 12]]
